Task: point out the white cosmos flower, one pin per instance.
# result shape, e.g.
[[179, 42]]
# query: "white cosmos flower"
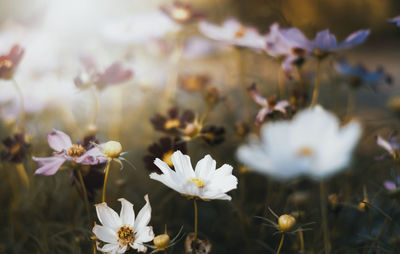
[[205, 182], [119, 233], [312, 144]]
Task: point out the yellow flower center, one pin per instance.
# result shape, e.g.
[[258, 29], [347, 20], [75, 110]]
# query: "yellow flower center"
[[198, 181], [305, 152], [240, 32], [181, 14], [125, 235], [171, 124], [167, 158], [76, 151], [6, 63]]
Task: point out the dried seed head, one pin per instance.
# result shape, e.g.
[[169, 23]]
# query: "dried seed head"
[[286, 222], [161, 241], [112, 149]]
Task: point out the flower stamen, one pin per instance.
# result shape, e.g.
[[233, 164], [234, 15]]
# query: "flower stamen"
[[198, 181], [76, 151], [171, 124], [125, 235]]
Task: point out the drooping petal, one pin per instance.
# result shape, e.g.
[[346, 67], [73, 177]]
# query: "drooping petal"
[[385, 145], [139, 247], [354, 39], [109, 248], [105, 234], [59, 141], [48, 165], [107, 216], [127, 215], [144, 216]]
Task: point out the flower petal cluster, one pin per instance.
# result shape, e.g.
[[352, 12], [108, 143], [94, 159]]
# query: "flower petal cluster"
[[312, 144], [64, 151], [204, 182], [124, 231]]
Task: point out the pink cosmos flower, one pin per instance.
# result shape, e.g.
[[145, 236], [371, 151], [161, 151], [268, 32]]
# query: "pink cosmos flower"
[[268, 106], [288, 45], [10, 62], [112, 75], [233, 33], [64, 151], [395, 20]]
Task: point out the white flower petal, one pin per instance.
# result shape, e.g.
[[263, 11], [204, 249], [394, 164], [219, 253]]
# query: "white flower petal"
[[182, 165], [127, 215], [107, 216], [109, 248], [139, 247], [144, 216], [205, 167], [105, 234], [145, 235]]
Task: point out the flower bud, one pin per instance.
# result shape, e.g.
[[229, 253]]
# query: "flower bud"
[[286, 222], [92, 129], [191, 130], [363, 205], [112, 149], [161, 241]]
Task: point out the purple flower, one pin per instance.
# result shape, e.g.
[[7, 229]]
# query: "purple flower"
[[392, 186], [64, 151], [114, 74], [361, 75], [325, 42], [391, 145], [395, 20], [268, 105], [288, 45], [233, 33]]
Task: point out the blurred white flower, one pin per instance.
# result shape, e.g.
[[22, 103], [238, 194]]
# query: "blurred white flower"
[[139, 28], [233, 33], [312, 144], [124, 231], [205, 182]]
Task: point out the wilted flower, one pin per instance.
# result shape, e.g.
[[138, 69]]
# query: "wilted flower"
[[325, 42], [269, 105], [395, 20], [181, 12], [233, 33], [391, 145], [64, 151], [195, 245], [204, 182], [173, 122], [359, 75], [287, 45], [163, 150], [311, 144], [10, 62], [16, 148], [120, 233], [213, 135]]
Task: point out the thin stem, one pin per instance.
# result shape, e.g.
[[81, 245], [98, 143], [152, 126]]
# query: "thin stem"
[[195, 218], [280, 244], [84, 192], [103, 199], [87, 205], [241, 69], [95, 106], [301, 237], [22, 174], [173, 77], [324, 215], [316, 87], [282, 90], [21, 104], [350, 104]]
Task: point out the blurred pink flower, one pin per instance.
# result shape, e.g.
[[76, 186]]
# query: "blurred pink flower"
[[395, 20], [233, 33], [64, 151], [268, 106], [10, 62]]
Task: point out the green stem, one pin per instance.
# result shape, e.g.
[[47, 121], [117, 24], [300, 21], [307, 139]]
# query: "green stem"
[[280, 244], [282, 91], [316, 87], [103, 198], [22, 174], [324, 215], [195, 218], [301, 237], [350, 104], [21, 105], [95, 106]]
